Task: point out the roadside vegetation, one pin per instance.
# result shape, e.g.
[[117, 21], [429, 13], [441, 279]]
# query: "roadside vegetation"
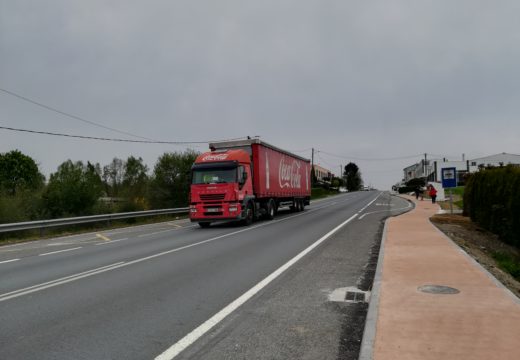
[[490, 229], [492, 199], [81, 189]]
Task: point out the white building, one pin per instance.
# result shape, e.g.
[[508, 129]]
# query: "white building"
[[321, 173], [502, 159], [432, 169]]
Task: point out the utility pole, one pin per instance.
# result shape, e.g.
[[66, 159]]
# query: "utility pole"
[[424, 167], [312, 168]]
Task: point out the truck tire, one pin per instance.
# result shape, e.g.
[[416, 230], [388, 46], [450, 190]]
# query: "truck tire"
[[204, 225], [270, 209], [250, 214]]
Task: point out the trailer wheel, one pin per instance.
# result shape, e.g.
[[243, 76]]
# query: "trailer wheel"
[[250, 215], [204, 225], [302, 202], [270, 209]]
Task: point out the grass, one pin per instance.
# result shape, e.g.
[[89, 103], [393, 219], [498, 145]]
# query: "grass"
[[318, 193], [508, 263], [458, 196]]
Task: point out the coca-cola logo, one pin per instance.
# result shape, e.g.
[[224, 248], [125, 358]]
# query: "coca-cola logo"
[[217, 157], [289, 174]]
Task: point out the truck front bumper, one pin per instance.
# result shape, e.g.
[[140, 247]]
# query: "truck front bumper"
[[201, 212]]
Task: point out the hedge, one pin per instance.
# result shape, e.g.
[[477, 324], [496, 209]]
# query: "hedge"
[[492, 199]]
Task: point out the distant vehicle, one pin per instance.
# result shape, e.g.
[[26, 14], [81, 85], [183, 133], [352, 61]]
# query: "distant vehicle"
[[245, 180], [343, 189], [366, 188]]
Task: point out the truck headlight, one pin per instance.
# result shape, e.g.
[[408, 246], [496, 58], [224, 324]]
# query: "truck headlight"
[[233, 207], [193, 209]]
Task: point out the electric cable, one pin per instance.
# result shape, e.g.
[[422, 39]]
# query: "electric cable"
[[112, 139], [71, 115]]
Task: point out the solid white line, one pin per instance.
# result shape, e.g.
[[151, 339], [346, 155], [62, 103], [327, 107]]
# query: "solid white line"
[[374, 212], [189, 339], [370, 203], [60, 251], [48, 284], [8, 261]]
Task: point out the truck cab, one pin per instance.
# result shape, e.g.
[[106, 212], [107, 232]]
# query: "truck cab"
[[221, 187]]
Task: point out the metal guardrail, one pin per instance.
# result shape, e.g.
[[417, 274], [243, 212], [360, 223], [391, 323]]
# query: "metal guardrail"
[[42, 224]]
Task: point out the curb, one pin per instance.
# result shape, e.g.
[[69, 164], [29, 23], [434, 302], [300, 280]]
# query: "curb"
[[369, 333]]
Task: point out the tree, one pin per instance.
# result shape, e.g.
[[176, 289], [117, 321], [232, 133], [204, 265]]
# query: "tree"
[[19, 172], [135, 184], [72, 190], [170, 185], [113, 177], [353, 177], [135, 177]]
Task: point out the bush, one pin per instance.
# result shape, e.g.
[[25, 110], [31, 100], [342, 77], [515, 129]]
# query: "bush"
[[492, 199]]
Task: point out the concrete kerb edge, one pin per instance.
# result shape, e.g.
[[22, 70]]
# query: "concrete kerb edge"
[[477, 264], [369, 332]]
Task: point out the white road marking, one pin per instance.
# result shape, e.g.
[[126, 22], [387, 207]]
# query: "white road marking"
[[60, 251], [71, 278], [189, 339], [8, 261], [110, 242], [103, 237], [49, 284], [154, 233], [374, 212]]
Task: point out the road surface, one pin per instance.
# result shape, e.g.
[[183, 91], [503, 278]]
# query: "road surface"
[[262, 291]]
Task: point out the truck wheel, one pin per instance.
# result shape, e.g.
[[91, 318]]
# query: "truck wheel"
[[249, 216], [204, 225], [270, 209], [302, 206], [294, 207]]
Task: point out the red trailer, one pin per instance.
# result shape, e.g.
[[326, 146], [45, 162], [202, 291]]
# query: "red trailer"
[[247, 179]]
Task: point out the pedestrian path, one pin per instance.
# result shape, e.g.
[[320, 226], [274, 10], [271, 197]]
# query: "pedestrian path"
[[466, 315]]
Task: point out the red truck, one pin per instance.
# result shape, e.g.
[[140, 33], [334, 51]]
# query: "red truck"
[[244, 180]]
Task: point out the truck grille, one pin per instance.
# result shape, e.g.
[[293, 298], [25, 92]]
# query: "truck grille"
[[212, 197]]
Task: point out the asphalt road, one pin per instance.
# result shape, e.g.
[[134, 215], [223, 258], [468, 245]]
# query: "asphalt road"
[[139, 292]]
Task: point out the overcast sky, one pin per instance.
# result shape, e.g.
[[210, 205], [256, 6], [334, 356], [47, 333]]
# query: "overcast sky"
[[353, 79]]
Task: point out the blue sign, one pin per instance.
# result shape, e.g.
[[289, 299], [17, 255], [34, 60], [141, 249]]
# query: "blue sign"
[[449, 177]]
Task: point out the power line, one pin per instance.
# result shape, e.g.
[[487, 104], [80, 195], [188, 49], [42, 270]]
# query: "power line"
[[70, 115], [371, 159], [111, 139]]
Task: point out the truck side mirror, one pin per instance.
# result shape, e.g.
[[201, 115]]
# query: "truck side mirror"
[[243, 179]]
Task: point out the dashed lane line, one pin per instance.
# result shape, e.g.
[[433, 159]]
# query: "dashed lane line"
[[60, 281], [60, 251], [8, 261], [110, 242]]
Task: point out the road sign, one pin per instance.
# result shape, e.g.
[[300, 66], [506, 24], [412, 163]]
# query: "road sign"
[[449, 177]]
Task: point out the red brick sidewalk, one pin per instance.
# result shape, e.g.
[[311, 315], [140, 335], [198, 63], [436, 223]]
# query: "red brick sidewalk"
[[480, 322]]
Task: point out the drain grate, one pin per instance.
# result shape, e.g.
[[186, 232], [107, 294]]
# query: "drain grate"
[[355, 296], [438, 289], [349, 294]]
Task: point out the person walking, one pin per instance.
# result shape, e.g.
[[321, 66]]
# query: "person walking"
[[417, 192], [433, 193]]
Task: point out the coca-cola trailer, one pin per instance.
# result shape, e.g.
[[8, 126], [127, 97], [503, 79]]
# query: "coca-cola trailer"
[[247, 179]]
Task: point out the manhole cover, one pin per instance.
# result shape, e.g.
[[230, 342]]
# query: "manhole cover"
[[438, 289]]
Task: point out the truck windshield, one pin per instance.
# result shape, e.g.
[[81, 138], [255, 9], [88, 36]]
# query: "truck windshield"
[[214, 175]]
